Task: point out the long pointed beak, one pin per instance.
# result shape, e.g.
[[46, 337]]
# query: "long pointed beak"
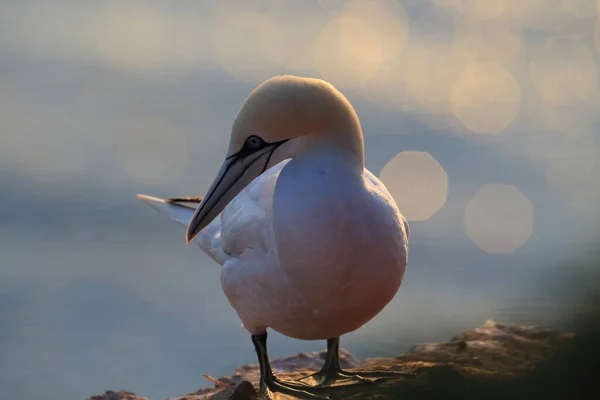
[[235, 174]]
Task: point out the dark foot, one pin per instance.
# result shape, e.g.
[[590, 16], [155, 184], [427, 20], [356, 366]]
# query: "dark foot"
[[298, 390], [326, 378], [377, 376], [361, 378]]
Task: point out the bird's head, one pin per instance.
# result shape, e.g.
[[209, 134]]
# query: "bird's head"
[[281, 118]]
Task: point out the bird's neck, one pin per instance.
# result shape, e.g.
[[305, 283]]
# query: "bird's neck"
[[313, 185], [326, 158], [342, 147]]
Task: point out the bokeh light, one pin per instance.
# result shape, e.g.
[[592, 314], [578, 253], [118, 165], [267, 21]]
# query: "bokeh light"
[[427, 85], [338, 58], [499, 218], [563, 71], [250, 46], [299, 26], [486, 98], [500, 46], [473, 66], [351, 49], [418, 183], [485, 10], [540, 15]]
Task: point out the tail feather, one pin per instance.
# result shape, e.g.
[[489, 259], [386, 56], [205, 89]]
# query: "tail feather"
[[175, 209], [181, 210]]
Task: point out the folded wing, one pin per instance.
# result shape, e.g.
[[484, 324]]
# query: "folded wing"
[[181, 210]]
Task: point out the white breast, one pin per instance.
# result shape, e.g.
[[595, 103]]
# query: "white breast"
[[320, 262], [337, 259]]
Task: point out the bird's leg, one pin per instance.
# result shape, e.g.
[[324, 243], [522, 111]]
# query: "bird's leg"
[[268, 382], [332, 371]]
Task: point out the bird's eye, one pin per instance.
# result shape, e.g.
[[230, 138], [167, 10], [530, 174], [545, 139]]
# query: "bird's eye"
[[254, 142]]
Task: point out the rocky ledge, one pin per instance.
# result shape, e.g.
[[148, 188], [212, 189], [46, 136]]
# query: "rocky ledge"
[[493, 361]]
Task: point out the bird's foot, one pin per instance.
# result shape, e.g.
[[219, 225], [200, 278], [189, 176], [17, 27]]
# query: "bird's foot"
[[298, 390], [327, 378], [376, 375], [360, 378]]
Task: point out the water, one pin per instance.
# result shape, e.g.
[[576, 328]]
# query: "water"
[[103, 100]]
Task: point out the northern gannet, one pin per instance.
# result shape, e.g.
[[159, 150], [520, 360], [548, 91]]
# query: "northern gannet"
[[312, 244]]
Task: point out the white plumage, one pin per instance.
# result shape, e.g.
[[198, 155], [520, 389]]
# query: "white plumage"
[[259, 287], [311, 243]]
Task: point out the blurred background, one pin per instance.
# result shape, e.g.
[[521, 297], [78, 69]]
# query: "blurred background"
[[481, 116]]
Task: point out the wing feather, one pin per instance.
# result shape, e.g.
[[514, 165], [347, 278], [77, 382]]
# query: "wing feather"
[[244, 227], [181, 210]]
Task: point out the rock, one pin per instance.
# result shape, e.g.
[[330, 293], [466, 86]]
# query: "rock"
[[120, 395], [493, 361], [242, 391]]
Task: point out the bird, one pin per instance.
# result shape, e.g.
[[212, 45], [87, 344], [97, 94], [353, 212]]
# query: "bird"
[[311, 243]]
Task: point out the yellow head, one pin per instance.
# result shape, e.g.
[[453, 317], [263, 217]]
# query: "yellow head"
[[281, 118]]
